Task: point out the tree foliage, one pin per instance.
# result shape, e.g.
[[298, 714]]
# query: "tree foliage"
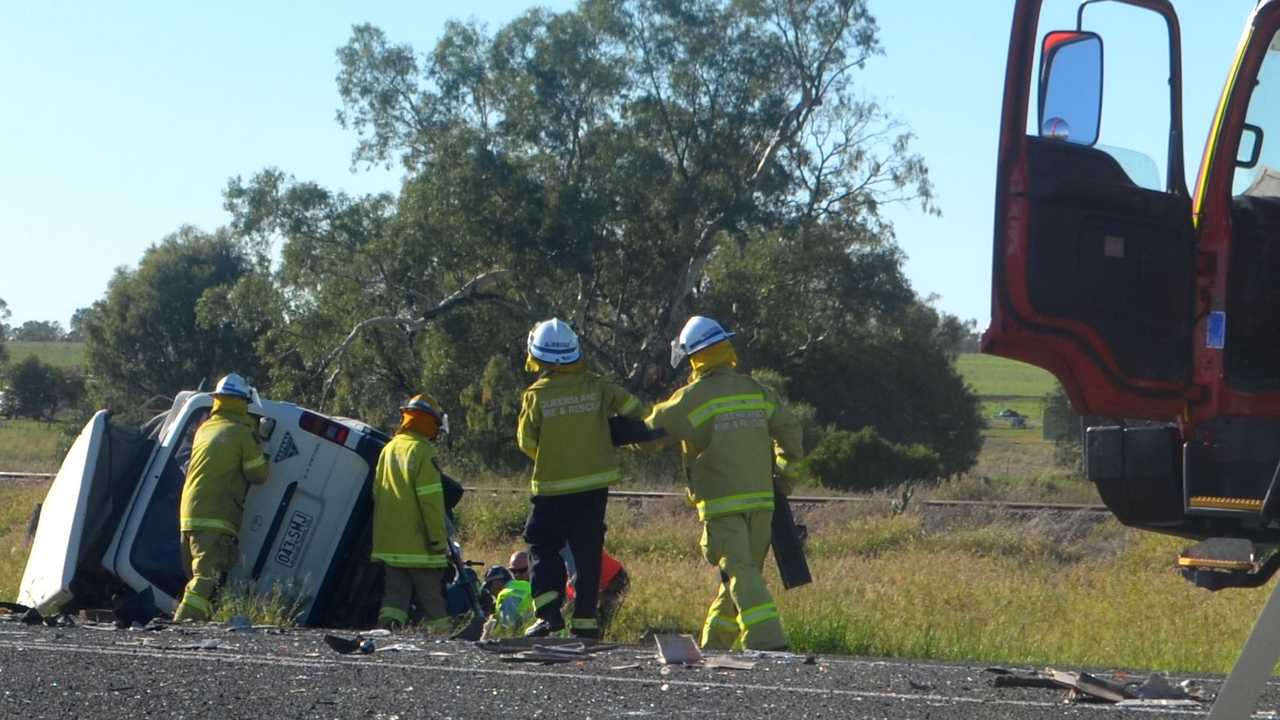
[[5, 314], [161, 329], [75, 329], [622, 166], [38, 390], [38, 331]]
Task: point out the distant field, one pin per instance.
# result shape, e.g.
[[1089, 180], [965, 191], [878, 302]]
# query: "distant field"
[[61, 354], [1001, 384], [996, 376]]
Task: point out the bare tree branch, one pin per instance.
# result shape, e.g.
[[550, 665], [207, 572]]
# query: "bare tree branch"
[[473, 291]]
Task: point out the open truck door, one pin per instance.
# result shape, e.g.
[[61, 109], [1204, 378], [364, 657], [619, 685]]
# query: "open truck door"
[[1094, 250], [1092, 271]]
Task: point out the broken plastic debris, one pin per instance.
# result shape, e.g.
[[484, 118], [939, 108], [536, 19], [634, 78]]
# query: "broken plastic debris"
[[1157, 688], [1020, 677], [398, 647], [727, 662], [1158, 703], [677, 649], [207, 644], [539, 656]]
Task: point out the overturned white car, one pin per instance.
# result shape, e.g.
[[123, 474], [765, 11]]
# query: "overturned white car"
[[109, 524]]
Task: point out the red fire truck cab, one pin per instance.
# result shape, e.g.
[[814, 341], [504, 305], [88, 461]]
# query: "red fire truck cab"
[[1148, 300]]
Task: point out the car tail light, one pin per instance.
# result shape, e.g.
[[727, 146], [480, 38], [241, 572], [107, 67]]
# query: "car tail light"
[[325, 428]]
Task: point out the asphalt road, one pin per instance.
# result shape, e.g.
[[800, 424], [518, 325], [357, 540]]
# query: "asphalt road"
[[84, 672]]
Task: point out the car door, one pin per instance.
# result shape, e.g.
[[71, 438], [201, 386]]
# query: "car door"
[[1093, 252]]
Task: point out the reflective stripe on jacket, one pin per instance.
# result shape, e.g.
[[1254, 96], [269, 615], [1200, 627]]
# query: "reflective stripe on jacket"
[[727, 424], [408, 505], [225, 458], [564, 428]]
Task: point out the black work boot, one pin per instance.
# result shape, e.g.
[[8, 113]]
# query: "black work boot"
[[544, 627]]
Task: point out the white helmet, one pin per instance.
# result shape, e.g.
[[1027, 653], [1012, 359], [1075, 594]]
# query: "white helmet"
[[234, 386], [553, 341], [699, 333]]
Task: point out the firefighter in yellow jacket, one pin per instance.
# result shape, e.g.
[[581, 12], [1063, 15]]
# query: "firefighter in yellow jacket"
[[409, 535], [728, 425], [564, 429], [225, 458]]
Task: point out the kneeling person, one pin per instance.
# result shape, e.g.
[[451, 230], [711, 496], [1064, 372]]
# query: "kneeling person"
[[409, 535]]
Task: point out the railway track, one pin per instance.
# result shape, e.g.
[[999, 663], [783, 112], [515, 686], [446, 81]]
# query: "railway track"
[[1010, 506]]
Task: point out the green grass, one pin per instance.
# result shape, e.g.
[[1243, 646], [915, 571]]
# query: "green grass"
[[996, 376], [31, 446], [16, 503], [1066, 590], [1010, 452], [61, 354]]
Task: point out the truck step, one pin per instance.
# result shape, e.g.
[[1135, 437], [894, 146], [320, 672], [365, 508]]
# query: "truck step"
[[1227, 504]]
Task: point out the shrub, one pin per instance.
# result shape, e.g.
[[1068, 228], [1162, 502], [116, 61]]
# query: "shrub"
[[865, 461], [37, 390]]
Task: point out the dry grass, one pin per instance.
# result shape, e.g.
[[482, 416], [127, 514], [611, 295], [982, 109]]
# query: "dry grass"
[[1066, 589], [17, 500], [31, 446]]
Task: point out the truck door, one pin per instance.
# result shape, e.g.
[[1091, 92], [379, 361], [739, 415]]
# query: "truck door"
[[1094, 249]]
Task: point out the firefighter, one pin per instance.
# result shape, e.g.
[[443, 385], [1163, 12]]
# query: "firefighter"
[[728, 424], [226, 457], [409, 535], [564, 429]]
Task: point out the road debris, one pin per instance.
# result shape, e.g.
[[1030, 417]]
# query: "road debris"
[[206, 644], [727, 662], [398, 647], [539, 656], [549, 653], [346, 646], [1152, 691], [1019, 677], [677, 650]]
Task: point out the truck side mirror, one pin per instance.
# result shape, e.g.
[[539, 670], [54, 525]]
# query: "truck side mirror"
[[1071, 87], [1250, 147]]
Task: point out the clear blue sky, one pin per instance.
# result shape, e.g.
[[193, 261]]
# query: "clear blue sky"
[[122, 123]]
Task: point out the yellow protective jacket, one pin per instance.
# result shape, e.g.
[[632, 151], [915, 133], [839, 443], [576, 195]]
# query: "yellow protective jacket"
[[727, 424], [514, 604], [564, 429], [408, 505], [225, 458]]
